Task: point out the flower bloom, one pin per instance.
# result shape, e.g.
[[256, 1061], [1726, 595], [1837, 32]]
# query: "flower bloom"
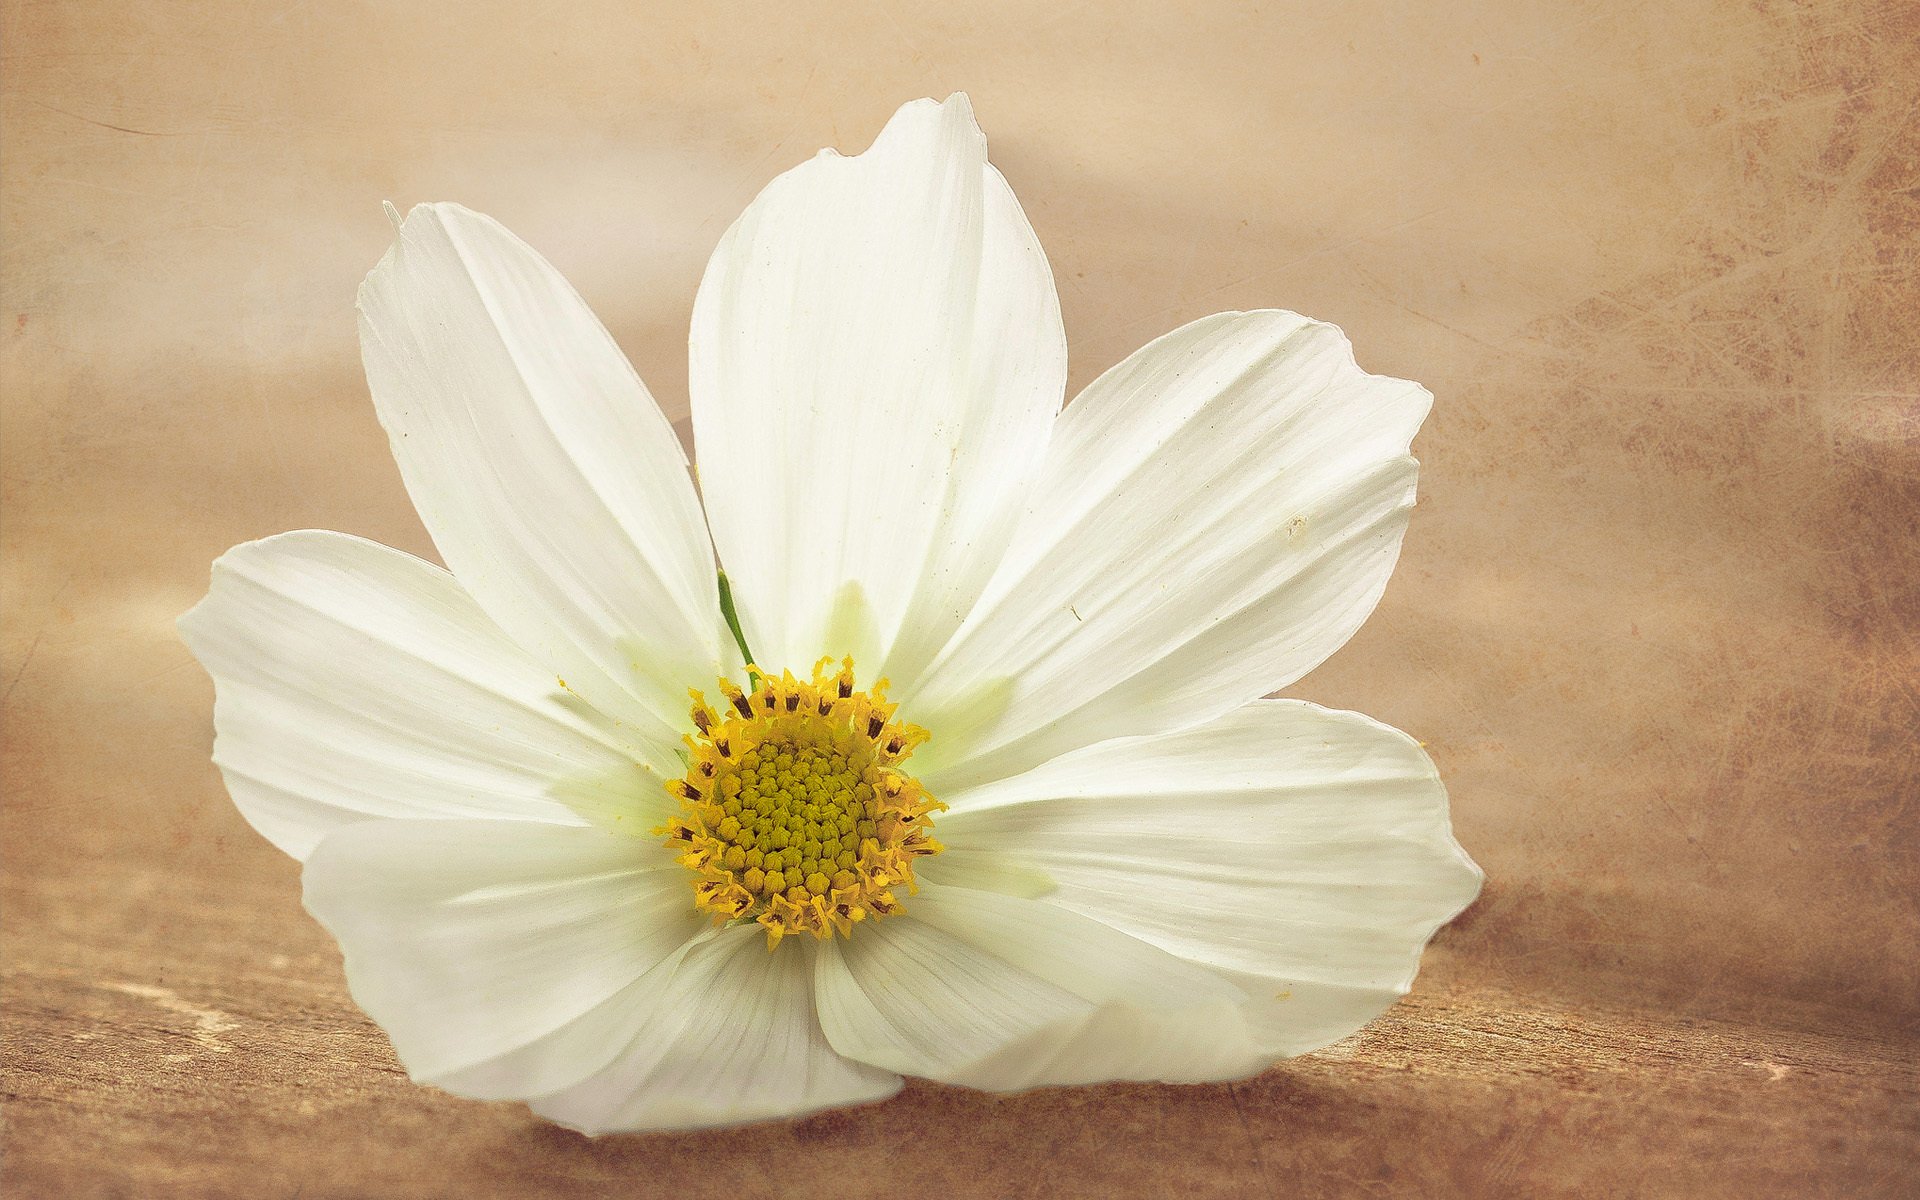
[[995, 800]]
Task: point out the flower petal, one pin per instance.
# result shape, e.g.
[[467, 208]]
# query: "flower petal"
[[354, 681], [1216, 516], [730, 1036], [469, 940], [1001, 993], [553, 487], [1306, 847], [877, 358]]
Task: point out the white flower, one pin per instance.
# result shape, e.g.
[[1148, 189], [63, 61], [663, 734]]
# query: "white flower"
[[557, 877]]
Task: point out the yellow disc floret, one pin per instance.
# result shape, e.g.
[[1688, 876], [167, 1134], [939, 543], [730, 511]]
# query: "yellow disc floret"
[[794, 810]]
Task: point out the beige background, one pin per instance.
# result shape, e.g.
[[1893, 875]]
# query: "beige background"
[[1658, 616]]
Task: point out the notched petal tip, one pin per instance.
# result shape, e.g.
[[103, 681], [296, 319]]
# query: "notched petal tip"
[[930, 118], [1254, 317], [1473, 880], [407, 226], [188, 625], [958, 106], [195, 618]]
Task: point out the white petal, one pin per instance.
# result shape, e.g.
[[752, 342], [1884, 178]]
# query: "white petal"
[[877, 358], [1002, 993], [553, 487], [1307, 847], [1217, 515], [355, 681], [730, 1036], [469, 940]]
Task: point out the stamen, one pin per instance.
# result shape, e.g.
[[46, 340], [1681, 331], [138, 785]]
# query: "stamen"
[[794, 813]]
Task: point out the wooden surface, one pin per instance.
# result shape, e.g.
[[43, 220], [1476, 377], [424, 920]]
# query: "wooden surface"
[[248, 1073], [1658, 618]]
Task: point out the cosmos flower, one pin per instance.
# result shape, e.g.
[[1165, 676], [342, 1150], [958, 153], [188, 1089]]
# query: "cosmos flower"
[[993, 799]]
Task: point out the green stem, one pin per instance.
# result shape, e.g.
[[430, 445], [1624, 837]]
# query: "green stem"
[[733, 624]]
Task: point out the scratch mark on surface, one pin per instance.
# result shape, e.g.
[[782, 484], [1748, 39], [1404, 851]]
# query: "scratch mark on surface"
[[1253, 1143], [6, 695], [208, 1023], [103, 124], [1775, 1071]]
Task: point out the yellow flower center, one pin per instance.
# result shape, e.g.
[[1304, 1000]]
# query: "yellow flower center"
[[794, 810]]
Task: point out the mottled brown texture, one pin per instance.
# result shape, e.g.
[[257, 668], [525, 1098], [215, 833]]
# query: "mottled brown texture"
[[1658, 616]]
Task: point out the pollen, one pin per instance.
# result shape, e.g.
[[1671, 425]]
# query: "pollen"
[[795, 812]]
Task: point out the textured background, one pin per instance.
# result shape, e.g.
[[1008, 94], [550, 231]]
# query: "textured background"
[[1658, 616]]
